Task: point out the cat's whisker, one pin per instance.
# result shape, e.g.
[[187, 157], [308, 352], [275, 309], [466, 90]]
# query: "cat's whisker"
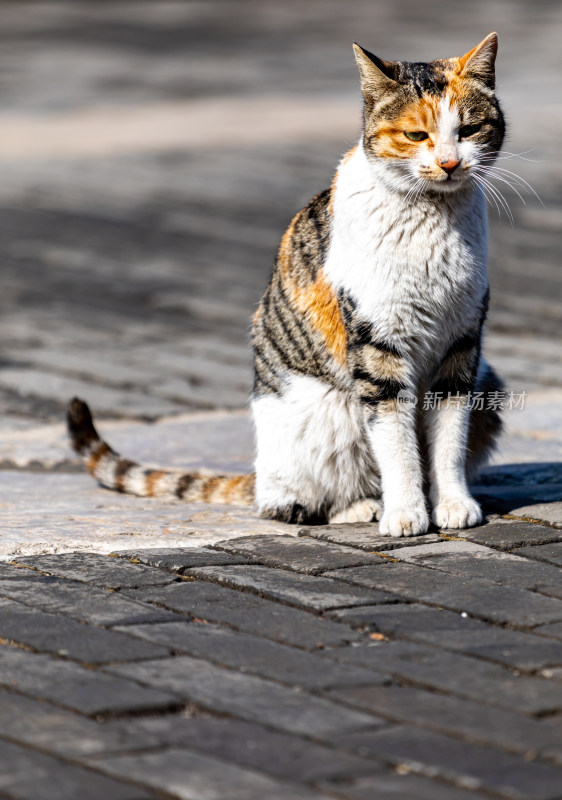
[[502, 155], [522, 181], [489, 198], [489, 173], [501, 199], [490, 193], [412, 190]]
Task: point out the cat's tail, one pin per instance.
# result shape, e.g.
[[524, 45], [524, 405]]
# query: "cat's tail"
[[118, 473]]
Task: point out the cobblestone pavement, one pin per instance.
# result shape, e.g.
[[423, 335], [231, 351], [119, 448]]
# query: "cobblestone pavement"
[[330, 664]]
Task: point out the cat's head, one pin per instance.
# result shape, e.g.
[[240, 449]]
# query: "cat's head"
[[434, 121]]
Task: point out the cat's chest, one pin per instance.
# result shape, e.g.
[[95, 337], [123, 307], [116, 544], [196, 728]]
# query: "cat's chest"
[[414, 274]]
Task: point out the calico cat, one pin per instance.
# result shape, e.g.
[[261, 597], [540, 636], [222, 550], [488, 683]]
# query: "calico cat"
[[378, 296]]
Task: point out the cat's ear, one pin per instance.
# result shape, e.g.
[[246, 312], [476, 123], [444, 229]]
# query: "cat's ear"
[[375, 73], [480, 62]]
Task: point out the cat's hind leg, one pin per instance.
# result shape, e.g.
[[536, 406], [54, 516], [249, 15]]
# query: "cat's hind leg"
[[485, 424], [366, 510], [313, 459]]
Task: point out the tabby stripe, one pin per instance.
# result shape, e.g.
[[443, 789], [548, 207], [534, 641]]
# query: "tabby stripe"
[[183, 484], [121, 469]]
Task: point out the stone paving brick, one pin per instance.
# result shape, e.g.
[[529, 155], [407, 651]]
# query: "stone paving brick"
[[245, 696], [53, 633], [98, 570], [179, 559], [11, 572], [72, 686], [544, 552], [80, 601], [254, 655], [364, 537], [189, 775], [304, 591], [249, 613], [507, 535], [554, 753], [460, 718], [478, 767], [505, 604], [246, 744], [460, 675], [28, 775], [419, 554], [549, 511], [392, 786], [553, 630], [448, 630], [470, 560], [302, 555], [56, 730]]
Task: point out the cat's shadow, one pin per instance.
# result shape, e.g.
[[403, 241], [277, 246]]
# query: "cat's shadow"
[[507, 488]]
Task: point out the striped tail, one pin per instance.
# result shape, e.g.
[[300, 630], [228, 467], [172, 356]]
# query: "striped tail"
[[122, 475]]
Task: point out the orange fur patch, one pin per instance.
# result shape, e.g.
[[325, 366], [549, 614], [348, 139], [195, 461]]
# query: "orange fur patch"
[[319, 303], [285, 248], [152, 479]]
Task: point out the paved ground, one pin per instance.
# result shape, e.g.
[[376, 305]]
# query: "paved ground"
[[335, 664], [152, 154]]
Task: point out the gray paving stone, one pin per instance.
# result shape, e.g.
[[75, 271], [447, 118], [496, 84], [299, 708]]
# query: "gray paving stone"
[[460, 675], [299, 554], [392, 786], [450, 631], [546, 512], [189, 775], [248, 613], [507, 535], [80, 601], [364, 537], [246, 744], [28, 775], [420, 554], [470, 560], [105, 571], [544, 552], [459, 718], [254, 655], [477, 767], [179, 559], [55, 730], [247, 697], [11, 572], [553, 630], [505, 604], [53, 633], [72, 686], [304, 591]]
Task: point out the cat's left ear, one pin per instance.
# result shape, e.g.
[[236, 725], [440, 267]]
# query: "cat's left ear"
[[480, 62]]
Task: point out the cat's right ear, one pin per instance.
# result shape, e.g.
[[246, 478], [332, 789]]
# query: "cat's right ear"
[[373, 71]]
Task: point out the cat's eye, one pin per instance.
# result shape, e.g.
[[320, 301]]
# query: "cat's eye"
[[469, 130], [415, 136]]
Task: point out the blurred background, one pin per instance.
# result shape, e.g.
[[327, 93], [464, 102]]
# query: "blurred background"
[[152, 153]]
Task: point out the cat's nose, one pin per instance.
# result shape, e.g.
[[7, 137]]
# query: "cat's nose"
[[449, 166]]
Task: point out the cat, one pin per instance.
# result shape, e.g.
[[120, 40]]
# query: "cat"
[[378, 296]]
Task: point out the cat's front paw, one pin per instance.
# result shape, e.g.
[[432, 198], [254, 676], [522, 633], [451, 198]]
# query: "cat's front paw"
[[404, 522], [454, 514]]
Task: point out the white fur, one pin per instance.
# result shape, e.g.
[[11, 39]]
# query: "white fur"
[[417, 271]]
